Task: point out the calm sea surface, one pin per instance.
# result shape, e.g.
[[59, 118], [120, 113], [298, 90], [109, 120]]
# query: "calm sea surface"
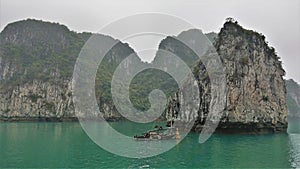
[[35, 144]]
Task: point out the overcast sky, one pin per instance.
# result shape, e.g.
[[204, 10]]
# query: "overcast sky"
[[278, 20]]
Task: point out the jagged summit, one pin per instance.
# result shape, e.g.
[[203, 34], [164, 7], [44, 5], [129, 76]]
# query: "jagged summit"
[[37, 59], [188, 45], [255, 99], [37, 63], [189, 32], [34, 23], [247, 40], [32, 32]]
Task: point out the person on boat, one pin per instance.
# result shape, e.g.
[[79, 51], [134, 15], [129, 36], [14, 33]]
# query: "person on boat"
[[146, 135]]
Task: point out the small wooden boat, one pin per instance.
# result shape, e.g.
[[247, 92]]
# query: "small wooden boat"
[[157, 134]]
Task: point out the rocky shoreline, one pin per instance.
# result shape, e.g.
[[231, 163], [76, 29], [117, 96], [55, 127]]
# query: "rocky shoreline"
[[246, 128], [50, 119], [255, 88], [255, 98], [39, 119], [232, 128]]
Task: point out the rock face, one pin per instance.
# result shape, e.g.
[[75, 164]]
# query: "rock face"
[[255, 99], [38, 99], [23, 93], [36, 63]]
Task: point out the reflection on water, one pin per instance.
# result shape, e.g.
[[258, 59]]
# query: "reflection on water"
[[295, 150], [65, 145], [294, 137], [294, 126]]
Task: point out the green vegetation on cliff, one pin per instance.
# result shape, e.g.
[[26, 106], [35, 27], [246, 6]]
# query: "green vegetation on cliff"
[[37, 60], [41, 52]]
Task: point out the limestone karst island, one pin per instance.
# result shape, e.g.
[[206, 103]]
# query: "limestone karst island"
[[40, 125]]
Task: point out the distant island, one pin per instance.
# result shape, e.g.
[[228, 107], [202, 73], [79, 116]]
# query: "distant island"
[[37, 60], [293, 98]]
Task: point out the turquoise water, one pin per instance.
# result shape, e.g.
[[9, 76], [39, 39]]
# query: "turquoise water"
[[34, 145]]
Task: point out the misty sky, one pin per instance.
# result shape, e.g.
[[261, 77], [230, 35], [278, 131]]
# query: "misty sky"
[[278, 20]]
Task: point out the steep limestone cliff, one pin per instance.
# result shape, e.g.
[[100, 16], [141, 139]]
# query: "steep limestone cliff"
[[255, 99], [37, 60], [36, 64]]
